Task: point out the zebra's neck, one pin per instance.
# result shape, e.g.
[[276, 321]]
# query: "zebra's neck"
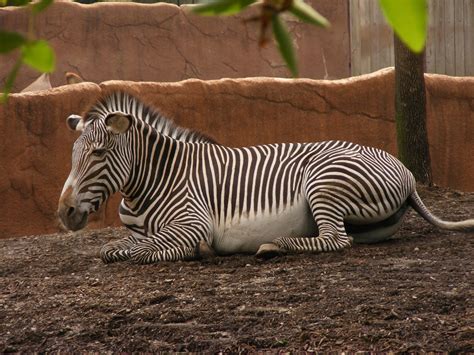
[[156, 162], [127, 104]]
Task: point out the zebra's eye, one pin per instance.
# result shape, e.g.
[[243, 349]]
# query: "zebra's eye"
[[99, 152]]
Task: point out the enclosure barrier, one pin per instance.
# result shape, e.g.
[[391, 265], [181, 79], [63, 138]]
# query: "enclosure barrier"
[[36, 146], [167, 43]]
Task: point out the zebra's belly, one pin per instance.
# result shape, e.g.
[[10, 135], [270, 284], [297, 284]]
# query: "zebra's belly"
[[246, 234], [379, 230], [374, 213]]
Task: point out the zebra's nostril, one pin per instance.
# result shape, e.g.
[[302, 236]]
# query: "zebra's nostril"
[[70, 211]]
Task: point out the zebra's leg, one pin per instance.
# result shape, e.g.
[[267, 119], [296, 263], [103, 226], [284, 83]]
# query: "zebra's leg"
[[331, 237], [329, 216], [173, 243], [144, 254], [117, 250]]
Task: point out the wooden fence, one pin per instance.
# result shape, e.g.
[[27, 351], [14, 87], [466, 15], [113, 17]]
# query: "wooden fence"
[[450, 42]]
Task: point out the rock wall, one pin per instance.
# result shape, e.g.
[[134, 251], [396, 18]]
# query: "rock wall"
[[166, 43], [36, 145]]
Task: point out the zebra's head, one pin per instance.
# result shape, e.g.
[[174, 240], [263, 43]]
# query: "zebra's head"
[[100, 166]]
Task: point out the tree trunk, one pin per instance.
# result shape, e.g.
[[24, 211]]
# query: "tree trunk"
[[410, 108]]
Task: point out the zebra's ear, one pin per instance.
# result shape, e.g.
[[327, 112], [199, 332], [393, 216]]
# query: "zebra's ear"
[[75, 123], [118, 122]]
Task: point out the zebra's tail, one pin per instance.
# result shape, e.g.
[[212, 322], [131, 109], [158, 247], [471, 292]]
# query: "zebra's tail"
[[464, 226]]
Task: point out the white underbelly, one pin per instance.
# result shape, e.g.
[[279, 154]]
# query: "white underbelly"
[[246, 234]]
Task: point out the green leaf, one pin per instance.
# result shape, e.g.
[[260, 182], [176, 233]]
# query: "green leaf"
[[9, 82], [408, 19], [3, 3], [41, 5], [39, 56], [307, 14], [285, 44], [221, 7], [10, 40]]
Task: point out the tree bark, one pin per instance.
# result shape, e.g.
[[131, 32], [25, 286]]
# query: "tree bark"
[[410, 108]]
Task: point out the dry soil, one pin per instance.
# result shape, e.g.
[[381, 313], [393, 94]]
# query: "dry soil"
[[413, 293]]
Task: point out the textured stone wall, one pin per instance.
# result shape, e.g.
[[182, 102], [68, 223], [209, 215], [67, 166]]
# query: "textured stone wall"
[[36, 146], [163, 42]]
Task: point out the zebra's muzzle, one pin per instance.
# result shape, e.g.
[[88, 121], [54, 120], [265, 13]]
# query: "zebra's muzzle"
[[73, 218]]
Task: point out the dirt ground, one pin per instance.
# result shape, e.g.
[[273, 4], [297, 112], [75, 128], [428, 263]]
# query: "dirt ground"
[[413, 293]]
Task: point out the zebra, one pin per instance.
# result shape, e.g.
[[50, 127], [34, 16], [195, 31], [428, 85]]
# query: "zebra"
[[270, 199]]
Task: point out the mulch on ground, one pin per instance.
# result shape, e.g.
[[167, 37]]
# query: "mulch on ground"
[[412, 293]]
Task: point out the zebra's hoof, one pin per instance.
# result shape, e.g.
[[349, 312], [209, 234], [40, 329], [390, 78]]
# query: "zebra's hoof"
[[269, 250], [204, 250]]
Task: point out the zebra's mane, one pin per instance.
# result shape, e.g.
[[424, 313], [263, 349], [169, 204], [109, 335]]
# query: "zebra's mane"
[[120, 101]]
